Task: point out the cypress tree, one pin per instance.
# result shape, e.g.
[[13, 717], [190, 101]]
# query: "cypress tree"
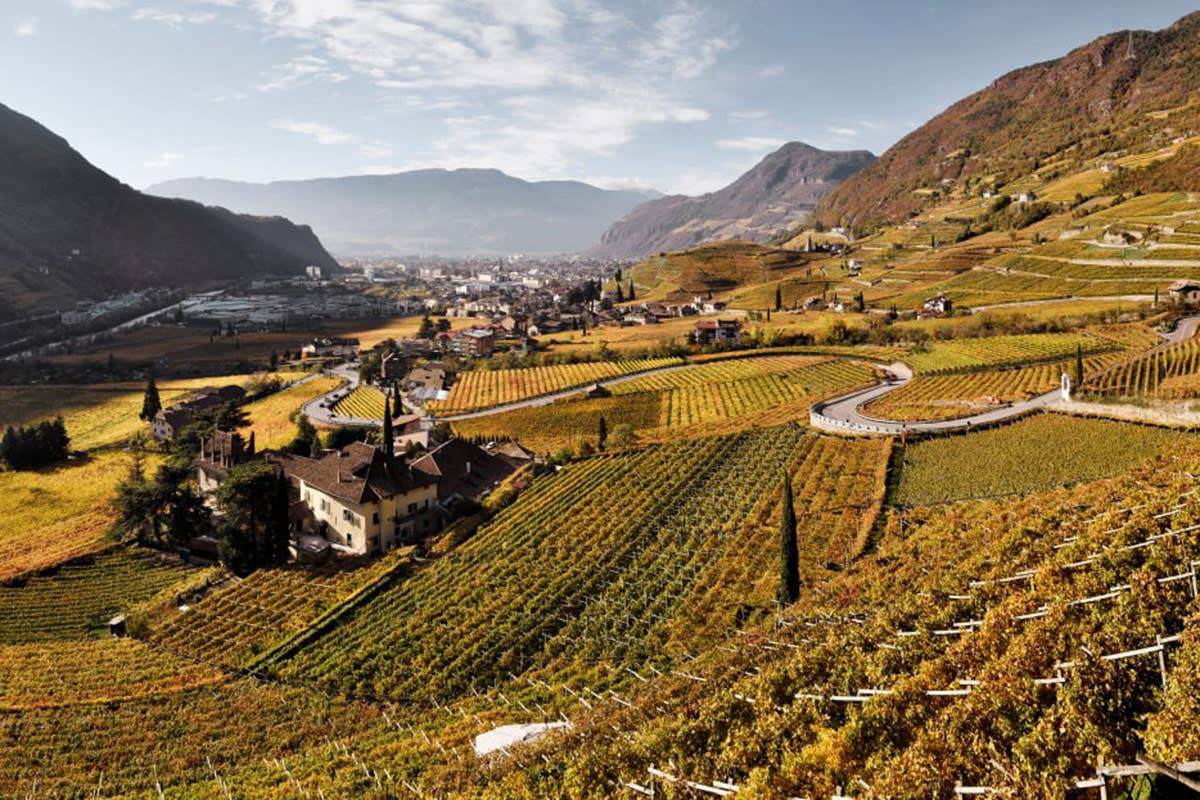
[[1078, 378], [602, 438], [389, 446], [150, 401], [620, 294], [789, 553], [778, 298], [632, 296]]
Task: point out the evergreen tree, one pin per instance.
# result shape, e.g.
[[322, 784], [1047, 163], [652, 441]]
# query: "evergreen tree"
[[778, 298], [789, 553], [860, 304], [602, 438], [618, 274], [620, 294], [1078, 378], [314, 447], [254, 499], [274, 360], [150, 401], [631, 294], [389, 445]]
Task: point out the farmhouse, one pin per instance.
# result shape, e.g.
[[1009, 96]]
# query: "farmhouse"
[[360, 499], [169, 421], [717, 331], [938, 305], [1185, 292]]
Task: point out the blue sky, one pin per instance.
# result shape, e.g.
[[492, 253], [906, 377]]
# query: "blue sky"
[[678, 95]]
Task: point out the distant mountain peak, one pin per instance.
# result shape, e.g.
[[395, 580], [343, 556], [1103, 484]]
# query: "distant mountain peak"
[[773, 195]]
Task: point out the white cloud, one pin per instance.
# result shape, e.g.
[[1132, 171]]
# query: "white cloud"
[[375, 150], [300, 71], [96, 5], [323, 134], [695, 182], [26, 28], [748, 115], [682, 43], [633, 184], [771, 71], [162, 161], [173, 19], [843, 133], [871, 126], [751, 144]]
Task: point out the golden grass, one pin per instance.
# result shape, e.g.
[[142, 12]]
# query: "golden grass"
[[271, 417], [51, 515]]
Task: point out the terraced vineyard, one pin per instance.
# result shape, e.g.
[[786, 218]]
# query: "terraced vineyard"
[[81, 595], [103, 670], [1004, 351], [484, 388], [365, 402], [718, 397], [931, 397], [983, 632], [1171, 372], [729, 398], [236, 624], [620, 542], [1033, 454]]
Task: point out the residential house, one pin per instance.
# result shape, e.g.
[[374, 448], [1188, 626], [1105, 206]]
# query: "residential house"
[[463, 470], [330, 348], [169, 421], [360, 499], [938, 305], [219, 453], [717, 331], [430, 376], [1185, 292]]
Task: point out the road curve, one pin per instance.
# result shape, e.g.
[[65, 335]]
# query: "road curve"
[[843, 414], [319, 410]]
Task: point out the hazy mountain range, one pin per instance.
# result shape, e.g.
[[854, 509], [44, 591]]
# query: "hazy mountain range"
[[69, 231], [775, 195], [444, 212]]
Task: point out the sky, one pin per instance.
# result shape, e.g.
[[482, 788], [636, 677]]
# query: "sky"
[[680, 96]]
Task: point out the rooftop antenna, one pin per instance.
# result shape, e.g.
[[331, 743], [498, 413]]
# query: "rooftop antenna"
[[1129, 54]]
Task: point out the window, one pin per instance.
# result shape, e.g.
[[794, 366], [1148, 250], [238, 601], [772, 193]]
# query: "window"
[[375, 518], [412, 508], [324, 505], [349, 516]]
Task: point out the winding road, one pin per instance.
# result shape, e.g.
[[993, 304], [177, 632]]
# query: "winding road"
[[843, 414], [319, 410]]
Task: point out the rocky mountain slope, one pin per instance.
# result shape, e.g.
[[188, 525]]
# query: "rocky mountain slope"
[[1124, 91], [447, 212], [69, 231], [776, 194]]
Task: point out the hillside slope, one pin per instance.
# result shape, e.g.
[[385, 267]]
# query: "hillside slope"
[[447, 212], [69, 231], [1122, 91], [777, 193]]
